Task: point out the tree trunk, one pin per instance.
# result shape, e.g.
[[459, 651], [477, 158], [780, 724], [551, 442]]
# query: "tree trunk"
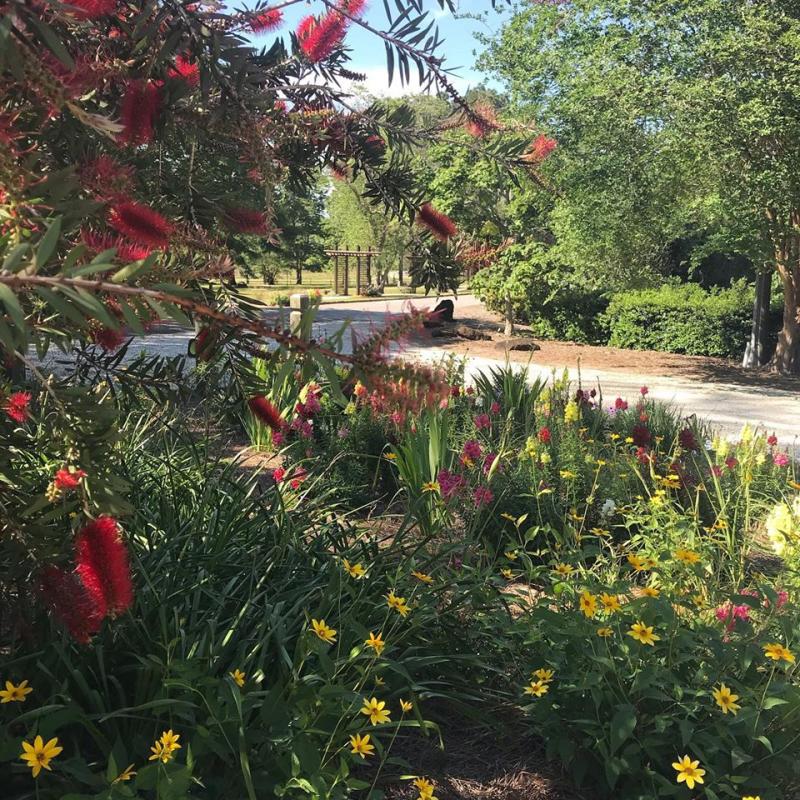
[[787, 258], [755, 355], [509, 315], [298, 270]]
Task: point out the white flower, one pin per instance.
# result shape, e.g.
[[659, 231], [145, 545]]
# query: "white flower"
[[608, 508], [479, 402]]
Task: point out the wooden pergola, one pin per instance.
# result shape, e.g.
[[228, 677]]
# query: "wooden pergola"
[[364, 260]]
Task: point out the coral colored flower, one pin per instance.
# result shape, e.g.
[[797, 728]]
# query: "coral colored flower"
[[540, 149], [40, 754], [16, 406], [688, 771], [102, 563], [781, 459], [266, 412], [15, 694], [266, 20], [67, 479], [140, 106], [245, 220], [141, 224], [439, 224], [71, 603], [185, 70]]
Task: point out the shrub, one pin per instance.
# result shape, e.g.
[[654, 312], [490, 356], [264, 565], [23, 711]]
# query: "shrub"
[[539, 297], [684, 318]]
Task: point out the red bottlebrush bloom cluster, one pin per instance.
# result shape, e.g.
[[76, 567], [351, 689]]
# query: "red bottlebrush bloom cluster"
[[440, 225], [540, 149], [319, 37], [110, 339], [71, 603], [141, 224], [126, 251], [185, 70], [266, 412], [245, 220], [266, 20], [16, 406], [140, 107], [91, 9], [102, 564], [205, 344], [481, 121], [106, 178], [67, 480]]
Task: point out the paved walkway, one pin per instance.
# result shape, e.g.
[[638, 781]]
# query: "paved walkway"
[[727, 406]]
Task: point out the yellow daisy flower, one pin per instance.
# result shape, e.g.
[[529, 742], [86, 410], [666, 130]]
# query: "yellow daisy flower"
[[377, 643], [588, 604], [643, 633], [777, 652], [688, 771], [361, 745], [353, 570], [376, 710], [40, 754], [324, 632], [15, 694], [726, 699]]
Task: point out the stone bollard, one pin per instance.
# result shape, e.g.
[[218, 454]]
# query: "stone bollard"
[[298, 305]]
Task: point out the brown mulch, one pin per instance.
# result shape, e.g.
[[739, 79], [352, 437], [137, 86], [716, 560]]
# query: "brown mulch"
[[477, 764], [609, 359]]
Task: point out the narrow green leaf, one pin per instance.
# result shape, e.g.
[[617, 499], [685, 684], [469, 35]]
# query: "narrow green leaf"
[[51, 40], [48, 244], [13, 307], [13, 261]]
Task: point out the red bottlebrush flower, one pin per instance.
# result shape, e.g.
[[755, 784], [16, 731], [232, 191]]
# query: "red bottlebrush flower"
[[266, 20], [141, 224], [355, 8], [540, 149], [16, 406], [266, 412], [481, 121], [102, 563], [205, 344], [126, 251], [440, 225], [245, 220], [66, 479], [185, 70], [71, 603], [138, 113], [91, 9], [108, 338], [320, 37], [105, 177], [340, 171]]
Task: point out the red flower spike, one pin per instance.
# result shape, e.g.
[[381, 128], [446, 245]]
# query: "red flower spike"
[[266, 412], [141, 224], [67, 480], [91, 9], [140, 107], [71, 603], [108, 338], [16, 406], [266, 20], [323, 37], [185, 70], [305, 28], [102, 563], [440, 225], [245, 220], [540, 149], [126, 251], [355, 8]]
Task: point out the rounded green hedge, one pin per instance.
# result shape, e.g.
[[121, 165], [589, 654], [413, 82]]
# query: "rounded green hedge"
[[684, 318]]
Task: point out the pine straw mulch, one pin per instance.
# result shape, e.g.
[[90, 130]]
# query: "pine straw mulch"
[[479, 764]]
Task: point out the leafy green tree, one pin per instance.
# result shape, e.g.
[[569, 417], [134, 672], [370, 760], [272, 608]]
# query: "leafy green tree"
[[672, 118]]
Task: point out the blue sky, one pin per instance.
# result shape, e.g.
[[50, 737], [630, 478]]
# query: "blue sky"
[[458, 32]]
